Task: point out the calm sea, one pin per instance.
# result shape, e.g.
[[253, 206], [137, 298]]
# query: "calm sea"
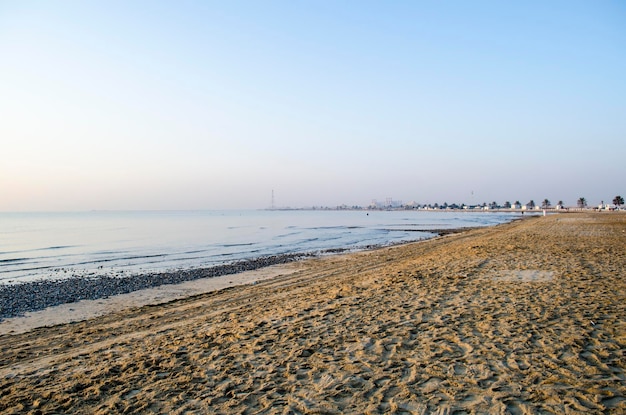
[[61, 245]]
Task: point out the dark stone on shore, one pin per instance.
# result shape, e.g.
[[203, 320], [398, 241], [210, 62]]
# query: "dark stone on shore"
[[17, 299]]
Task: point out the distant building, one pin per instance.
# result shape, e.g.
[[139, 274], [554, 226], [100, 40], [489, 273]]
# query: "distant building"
[[606, 206]]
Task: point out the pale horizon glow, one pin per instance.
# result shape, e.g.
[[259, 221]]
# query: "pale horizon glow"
[[151, 105]]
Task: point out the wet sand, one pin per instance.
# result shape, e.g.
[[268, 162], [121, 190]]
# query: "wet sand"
[[526, 317]]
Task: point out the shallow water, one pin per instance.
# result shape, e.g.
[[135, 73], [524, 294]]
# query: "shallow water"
[[60, 245]]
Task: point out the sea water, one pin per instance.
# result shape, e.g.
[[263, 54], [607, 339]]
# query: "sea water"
[[62, 245]]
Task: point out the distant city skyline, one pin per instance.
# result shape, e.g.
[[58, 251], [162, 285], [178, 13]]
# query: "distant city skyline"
[[151, 105]]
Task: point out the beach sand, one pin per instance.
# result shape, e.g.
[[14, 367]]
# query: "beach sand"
[[522, 318]]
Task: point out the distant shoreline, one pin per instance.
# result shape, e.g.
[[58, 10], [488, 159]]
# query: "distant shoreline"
[[539, 211]]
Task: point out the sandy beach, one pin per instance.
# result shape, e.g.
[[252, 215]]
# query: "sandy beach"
[[521, 318]]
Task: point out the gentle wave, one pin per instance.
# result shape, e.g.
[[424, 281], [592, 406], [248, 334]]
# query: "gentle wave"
[[52, 246]]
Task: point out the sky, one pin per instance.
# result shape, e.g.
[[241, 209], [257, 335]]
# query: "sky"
[[123, 105]]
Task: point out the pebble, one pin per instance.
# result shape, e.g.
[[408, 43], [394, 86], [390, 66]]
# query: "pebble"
[[17, 299]]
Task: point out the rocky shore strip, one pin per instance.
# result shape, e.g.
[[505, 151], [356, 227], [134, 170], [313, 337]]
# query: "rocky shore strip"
[[17, 299]]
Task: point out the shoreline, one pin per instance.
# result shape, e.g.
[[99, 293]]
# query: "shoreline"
[[49, 313], [26, 297], [90, 308], [20, 298], [523, 317]]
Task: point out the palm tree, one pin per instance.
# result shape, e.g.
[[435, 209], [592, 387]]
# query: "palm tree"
[[618, 201], [545, 204], [582, 202]]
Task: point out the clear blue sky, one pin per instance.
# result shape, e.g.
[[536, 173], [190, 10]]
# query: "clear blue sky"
[[210, 105]]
